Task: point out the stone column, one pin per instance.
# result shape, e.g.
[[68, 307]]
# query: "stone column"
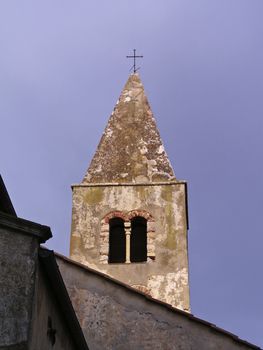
[[127, 227]]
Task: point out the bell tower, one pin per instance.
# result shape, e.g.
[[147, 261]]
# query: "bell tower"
[[129, 215]]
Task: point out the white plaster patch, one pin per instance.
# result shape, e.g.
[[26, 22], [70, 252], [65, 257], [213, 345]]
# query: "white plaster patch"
[[143, 149], [160, 149], [124, 175], [151, 167], [127, 99], [98, 169], [108, 132], [170, 288]]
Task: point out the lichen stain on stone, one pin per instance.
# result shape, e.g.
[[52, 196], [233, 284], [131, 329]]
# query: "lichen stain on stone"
[[142, 193], [74, 220], [75, 244], [167, 196], [94, 196]]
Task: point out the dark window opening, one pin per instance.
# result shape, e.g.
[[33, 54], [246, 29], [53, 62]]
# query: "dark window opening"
[[117, 241], [138, 239]]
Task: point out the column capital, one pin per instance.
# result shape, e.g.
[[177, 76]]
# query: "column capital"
[[127, 224]]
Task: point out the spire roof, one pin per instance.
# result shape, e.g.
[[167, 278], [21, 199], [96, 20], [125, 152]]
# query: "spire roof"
[[130, 149]]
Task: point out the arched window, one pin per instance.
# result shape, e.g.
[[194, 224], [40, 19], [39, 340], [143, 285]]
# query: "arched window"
[[138, 239], [117, 241]]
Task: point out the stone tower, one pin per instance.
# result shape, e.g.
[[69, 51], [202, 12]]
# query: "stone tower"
[[129, 216]]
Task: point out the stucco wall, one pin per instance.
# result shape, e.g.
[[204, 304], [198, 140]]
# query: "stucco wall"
[[46, 307], [18, 254], [165, 276], [115, 317]]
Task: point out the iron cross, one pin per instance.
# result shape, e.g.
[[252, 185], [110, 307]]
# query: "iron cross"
[[134, 60]]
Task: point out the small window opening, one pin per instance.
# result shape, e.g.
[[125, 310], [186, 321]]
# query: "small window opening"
[[138, 239], [117, 241]]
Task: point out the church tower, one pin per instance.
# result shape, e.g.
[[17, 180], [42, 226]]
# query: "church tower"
[[129, 215]]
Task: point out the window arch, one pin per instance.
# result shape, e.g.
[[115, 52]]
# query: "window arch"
[[115, 237], [138, 239], [117, 241]]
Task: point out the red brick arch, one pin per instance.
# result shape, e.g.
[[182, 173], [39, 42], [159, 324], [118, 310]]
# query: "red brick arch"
[[143, 213], [115, 214]]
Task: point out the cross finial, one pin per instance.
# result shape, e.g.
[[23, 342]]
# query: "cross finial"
[[134, 60]]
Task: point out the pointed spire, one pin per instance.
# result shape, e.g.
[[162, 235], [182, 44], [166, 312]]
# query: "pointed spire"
[[130, 149]]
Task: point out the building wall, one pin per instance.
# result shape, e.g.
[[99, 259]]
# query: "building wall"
[[115, 317], [45, 308], [26, 298], [165, 274], [18, 255]]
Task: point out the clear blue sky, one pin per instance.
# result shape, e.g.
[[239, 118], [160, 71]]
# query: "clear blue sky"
[[62, 68]]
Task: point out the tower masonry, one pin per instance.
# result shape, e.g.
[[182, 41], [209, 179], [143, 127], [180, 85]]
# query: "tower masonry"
[[129, 215]]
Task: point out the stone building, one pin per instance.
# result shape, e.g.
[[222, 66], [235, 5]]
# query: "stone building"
[[129, 216], [128, 272]]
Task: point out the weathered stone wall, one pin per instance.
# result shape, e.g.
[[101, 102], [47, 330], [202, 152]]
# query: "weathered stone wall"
[[46, 307], [26, 298], [165, 274], [18, 255], [115, 317]]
